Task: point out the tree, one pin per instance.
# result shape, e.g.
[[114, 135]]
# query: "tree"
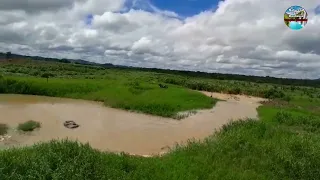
[[8, 55], [64, 61], [47, 75]]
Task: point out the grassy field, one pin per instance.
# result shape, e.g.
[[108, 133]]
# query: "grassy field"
[[27, 68], [120, 92], [283, 144], [125, 94]]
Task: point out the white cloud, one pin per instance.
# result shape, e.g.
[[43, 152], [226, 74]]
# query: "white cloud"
[[98, 6], [241, 36], [33, 6]]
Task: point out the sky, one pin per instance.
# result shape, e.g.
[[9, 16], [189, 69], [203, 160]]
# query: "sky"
[[231, 36], [317, 10], [186, 8]]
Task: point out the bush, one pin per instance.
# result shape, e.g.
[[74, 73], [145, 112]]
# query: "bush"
[[234, 91], [3, 129], [274, 94], [29, 126], [287, 98]]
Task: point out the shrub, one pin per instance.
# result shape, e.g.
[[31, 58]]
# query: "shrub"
[[35, 73], [274, 94], [234, 91], [29, 126], [3, 129], [287, 98]]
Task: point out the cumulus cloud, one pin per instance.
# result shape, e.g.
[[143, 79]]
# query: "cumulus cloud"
[[240, 36]]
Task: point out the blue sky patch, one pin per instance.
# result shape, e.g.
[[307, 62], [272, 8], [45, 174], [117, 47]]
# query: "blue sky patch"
[[179, 8], [89, 19], [185, 8], [317, 9]]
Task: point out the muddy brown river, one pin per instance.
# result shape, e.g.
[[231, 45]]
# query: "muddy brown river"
[[112, 129]]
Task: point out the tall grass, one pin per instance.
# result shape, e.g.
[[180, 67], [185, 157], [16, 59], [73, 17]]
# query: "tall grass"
[[230, 87]]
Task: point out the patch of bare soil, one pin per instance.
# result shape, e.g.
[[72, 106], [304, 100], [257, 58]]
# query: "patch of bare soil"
[[112, 129], [232, 97]]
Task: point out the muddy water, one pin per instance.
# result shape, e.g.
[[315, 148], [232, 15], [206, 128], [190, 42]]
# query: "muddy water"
[[112, 129]]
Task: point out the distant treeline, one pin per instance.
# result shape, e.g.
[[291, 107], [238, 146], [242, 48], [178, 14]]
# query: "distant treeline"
[[257, 79]]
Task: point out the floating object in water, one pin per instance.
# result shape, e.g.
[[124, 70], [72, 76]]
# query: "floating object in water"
[[70, 124]]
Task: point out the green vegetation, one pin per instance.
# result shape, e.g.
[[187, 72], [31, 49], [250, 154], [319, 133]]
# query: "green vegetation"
[[119, 93], [134, 91], [29, 126], [192, 80], [197, 74], [3, 129], [8, 55], [283, 144], [47, 76]]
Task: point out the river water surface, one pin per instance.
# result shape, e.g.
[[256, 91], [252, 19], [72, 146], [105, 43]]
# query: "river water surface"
[[112, 129]]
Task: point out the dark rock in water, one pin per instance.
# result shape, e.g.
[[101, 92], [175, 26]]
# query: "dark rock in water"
[[70, 124]]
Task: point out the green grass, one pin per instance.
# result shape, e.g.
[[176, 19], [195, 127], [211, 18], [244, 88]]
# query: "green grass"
[[3, 129], [29, 68], [133, 95], [28, 126], [137, 90]]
